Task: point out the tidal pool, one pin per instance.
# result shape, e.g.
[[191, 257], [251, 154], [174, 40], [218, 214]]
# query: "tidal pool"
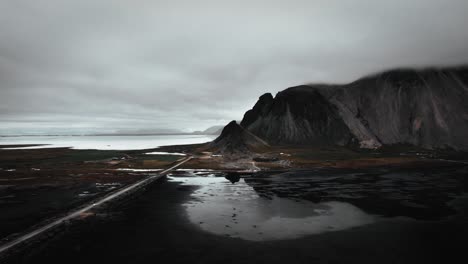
[[231, 207]]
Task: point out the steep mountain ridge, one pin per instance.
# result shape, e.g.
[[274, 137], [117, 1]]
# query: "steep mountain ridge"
[[426, 108], [299, 116]]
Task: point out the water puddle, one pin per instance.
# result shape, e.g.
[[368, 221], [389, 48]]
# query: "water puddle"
[[138, 170], [166, 153], [231, 207]]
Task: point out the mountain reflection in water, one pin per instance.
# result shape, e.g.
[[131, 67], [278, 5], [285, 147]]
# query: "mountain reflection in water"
[[230, 206]]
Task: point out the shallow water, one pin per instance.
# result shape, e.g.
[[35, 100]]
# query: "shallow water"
[[105, 142], [166, 153], [225, 207], [293, 204]]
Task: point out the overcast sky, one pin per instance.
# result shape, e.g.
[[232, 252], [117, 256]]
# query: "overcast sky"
[[114, 65]]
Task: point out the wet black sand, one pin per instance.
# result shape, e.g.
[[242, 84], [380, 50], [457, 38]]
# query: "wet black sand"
[[154, 228]]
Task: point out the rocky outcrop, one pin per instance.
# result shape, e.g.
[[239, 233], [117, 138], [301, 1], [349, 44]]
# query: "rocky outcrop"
[[426, 108], [297, 116], [235, 140]]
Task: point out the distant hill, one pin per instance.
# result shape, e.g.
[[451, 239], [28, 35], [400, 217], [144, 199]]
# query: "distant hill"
[[214, 130]]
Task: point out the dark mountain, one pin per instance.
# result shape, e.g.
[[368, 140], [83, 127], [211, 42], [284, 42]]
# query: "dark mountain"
[[426, 108], [236, 140]]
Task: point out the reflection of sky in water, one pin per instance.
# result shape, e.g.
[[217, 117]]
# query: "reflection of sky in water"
[[237, 210]]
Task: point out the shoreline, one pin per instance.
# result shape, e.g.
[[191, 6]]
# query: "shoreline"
[[72, 173]]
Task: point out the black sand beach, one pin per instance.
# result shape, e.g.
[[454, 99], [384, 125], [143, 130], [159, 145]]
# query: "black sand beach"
[[156, 227]]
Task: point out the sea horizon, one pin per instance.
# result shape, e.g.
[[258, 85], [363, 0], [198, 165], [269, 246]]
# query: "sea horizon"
[[103, 142]]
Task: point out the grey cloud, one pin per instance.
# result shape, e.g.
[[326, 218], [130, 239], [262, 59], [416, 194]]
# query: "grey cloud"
[[192, 64]]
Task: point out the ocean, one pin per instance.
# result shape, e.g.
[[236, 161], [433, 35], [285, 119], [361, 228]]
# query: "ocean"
[[108, 142]]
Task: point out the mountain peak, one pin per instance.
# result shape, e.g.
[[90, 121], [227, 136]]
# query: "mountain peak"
[[235, 140]]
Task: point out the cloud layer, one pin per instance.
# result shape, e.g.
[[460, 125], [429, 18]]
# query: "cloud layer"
[[112, 65]]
